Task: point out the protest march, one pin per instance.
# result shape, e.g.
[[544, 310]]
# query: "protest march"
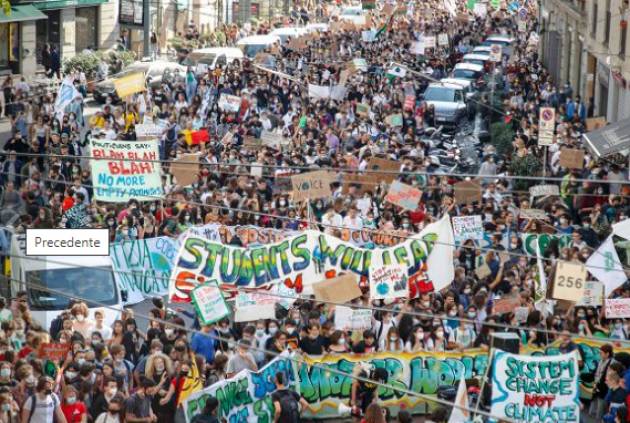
[[385, 211]]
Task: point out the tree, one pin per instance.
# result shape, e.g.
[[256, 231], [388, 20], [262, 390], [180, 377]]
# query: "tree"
[[6, 7]]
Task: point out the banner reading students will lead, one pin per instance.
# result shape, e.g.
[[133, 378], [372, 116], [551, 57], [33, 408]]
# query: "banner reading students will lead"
[[124, 170], [536, 389], [304, 259]]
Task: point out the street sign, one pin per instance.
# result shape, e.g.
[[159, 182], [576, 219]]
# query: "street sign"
[[546, 126]]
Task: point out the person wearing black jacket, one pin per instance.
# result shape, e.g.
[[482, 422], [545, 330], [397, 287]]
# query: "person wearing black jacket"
[[598, 404]]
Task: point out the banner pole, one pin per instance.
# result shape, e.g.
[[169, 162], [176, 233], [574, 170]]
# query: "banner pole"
[[483, 382]]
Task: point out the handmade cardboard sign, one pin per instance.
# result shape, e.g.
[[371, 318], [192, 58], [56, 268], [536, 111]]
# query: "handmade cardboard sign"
[[570, 281], [311, 185]]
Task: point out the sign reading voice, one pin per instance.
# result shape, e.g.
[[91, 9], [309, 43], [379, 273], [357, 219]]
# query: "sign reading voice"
[[67, 242]]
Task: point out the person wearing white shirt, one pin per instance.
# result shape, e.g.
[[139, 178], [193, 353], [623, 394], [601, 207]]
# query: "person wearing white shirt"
[[331, 220], [353, 220]]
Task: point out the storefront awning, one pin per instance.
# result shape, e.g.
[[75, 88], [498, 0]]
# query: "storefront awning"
[[62, 4], [20, 13]]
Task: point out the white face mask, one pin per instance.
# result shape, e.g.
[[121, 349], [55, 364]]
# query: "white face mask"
[[273, 330], [80, 317], [439, 334], [452, 313], [342, 341]]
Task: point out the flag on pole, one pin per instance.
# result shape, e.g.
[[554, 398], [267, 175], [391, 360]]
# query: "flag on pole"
[[387, 26], [67, 93], [192, 383], [397, 72], [460, 415], [604, 264], [540, 292]]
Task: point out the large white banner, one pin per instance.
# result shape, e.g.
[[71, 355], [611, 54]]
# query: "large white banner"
[[541, 389], [143, 267], [308, 258]]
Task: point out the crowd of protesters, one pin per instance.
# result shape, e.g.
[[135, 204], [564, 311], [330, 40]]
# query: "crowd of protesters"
[[123, 373]]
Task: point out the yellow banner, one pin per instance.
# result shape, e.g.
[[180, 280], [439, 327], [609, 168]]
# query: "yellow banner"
[[128, 85]]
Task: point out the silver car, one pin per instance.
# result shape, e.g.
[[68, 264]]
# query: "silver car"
[[155, 73], [449, 102]]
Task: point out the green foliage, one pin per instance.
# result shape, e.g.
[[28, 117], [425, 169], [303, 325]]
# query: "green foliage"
[[501, 137], [528, 165], [85, 62], [6, 7]]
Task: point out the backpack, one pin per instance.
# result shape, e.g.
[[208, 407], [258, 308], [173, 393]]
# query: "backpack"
[[34, 407], [290, 407]]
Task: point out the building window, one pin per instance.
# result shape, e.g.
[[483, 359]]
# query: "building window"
[[86, 29], [9, 46], [622, 41], [594, 21]]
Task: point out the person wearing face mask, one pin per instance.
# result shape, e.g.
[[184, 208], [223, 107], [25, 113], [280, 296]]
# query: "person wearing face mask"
[[107, 393], [73, 409], [338, 343], [113, 414], [437, 342], [43, 406], [5, 376], [416, 341], [160, 368], [81, 323], [392, 341], [9, 409]]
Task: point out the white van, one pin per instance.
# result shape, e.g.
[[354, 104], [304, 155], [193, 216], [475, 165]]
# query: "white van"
[[251, 46], [209, 58], [89, 278], [285, 33]]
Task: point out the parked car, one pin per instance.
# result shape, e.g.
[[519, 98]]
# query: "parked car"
[[288, 32], [449, 101], [251, 46], [477, 58], [209, 58], [155, 74], [470, 72]]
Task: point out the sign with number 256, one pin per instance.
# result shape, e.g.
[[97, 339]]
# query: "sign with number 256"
[[569, 283]]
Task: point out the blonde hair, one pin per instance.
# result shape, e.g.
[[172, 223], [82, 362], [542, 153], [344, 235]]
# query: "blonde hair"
[[150, 366]]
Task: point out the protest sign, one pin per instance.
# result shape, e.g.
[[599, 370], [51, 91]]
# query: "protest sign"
[[467, 192], [341, 289], [148, 130], [311, 185], [229, 103], [617, 308], [467, 227], [388, 282], [142, 267], [185, 169], [271, 139], [317, 381], [347, 318], [251, 306], [495, 53], [130, 84], [410, 102], [429, 41], [122, 170], [380, 169], [506, 305], [209, 303], [403, 195], [251, 142], [304, 258], [368, 36], [593, 295], [442, 39], [540, 190], [572, 158], [517, 392], [360, 64], [546, 125], [362, 183], [417, 48], [246, 397], [53, 351], [570, 281], [395, 119], [595, 123], [532, 214]]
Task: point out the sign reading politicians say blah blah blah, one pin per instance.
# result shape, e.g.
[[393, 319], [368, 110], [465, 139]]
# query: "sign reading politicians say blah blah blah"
[[307, 258], [536, 389], [122, 170]]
